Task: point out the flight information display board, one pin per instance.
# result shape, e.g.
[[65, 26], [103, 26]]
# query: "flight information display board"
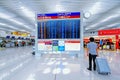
[[58, 32], [59, 25], [59, 29]]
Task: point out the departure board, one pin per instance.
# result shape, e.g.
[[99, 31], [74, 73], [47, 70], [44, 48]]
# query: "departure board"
[[59, 25], [59, 29]]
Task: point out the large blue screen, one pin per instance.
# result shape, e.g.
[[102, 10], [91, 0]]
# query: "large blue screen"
[[59, 29]]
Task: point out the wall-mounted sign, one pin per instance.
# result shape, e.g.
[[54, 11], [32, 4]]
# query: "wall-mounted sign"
[[109, 32], [23, 34], [65, 15]]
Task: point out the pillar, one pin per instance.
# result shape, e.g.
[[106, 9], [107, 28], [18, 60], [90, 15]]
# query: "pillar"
[[117, 41]]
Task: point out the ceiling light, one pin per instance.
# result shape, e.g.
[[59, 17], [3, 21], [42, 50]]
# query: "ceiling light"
[[27, 12], [13, 27], [13, 20], [3, 15], [113, 24], [28, 27], [22, 7], [3, 29], [109, 26], [110, 17], [20, 23], [95, 8], [3, 24], [92, 26]]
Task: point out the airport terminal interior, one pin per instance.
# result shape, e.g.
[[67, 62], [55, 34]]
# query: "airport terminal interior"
[[48, 39]]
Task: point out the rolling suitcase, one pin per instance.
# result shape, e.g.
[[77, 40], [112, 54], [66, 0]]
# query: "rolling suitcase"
[[33, 53], [102, 66]]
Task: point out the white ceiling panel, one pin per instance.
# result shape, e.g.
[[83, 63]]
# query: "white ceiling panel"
[[105, 14]]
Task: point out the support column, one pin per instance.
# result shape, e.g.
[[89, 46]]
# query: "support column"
[[117, 41], [81, 34]]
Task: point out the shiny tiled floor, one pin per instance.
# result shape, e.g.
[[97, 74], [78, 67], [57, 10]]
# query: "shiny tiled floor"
[[20, 64]]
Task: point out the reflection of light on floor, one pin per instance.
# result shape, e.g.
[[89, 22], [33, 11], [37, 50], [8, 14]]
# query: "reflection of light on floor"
[[56, 71], [45, 52], [58, 52], [31, 77], [50, 63], [46, 58], [110, 59], [47, 70], [66, 71], [26, 61], [4, 75], [63, 58], [12, 70], [50, 52], [3, 64], [65, 63], [58, 58], [57, 63], [86, 72], [43, 63], [17, 67], [54, 52], [21, 64], [52, 59]]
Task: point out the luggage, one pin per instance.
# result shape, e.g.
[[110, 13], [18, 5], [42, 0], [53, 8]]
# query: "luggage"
[[7, 45], [12, 45], [107, 47], [33, 53], [102, 66]]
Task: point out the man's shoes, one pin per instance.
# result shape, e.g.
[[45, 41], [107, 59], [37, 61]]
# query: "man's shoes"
[[94, 69], [89, 69]]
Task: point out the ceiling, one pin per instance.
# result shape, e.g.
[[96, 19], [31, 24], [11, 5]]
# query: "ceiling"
[[19, 15]]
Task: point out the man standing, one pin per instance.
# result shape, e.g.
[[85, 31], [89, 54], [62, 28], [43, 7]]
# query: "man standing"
[[92, 52]]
